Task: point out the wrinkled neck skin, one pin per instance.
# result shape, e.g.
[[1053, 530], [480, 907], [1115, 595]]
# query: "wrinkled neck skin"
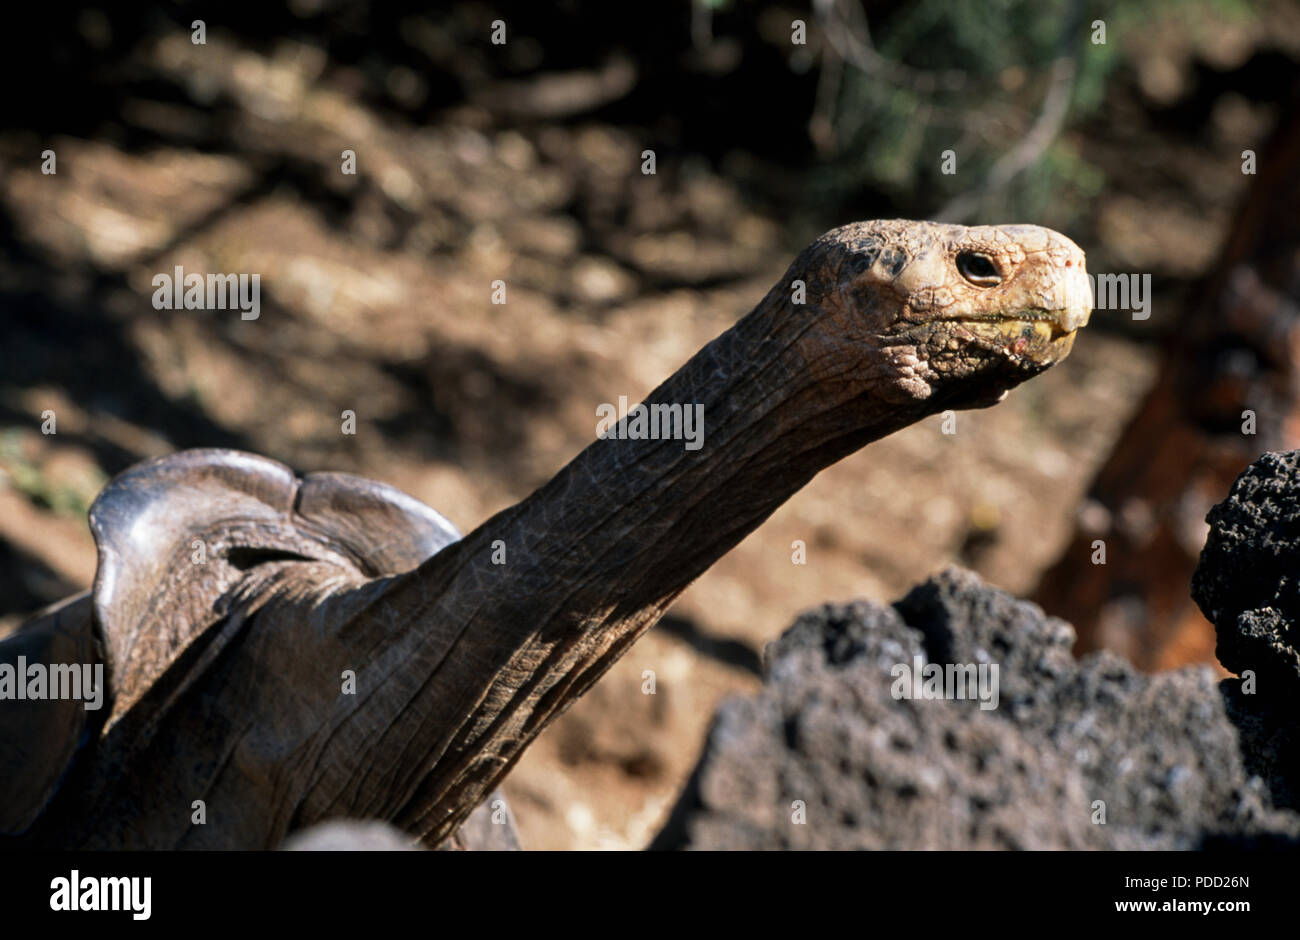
[[596, 555]]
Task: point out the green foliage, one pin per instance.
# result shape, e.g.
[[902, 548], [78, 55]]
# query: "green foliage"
[[892, 124], [66, 497]]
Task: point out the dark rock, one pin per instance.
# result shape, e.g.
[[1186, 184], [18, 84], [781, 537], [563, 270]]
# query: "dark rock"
[[1248, 579], [826, 737], [1248, 584]]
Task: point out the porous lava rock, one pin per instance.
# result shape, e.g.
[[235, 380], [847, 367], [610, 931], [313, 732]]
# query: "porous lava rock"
[[1086, 753], [1248, 579], [1248, 584]]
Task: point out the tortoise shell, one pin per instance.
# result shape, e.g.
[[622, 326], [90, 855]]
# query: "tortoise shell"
[[175, 538]]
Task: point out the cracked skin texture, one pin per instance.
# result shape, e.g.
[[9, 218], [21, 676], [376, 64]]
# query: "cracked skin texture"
[[224, 677]]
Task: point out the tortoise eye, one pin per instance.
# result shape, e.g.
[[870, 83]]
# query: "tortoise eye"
[[979, 269]]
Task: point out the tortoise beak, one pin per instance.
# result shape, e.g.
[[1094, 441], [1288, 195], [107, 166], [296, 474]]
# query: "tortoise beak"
[[1074, 305]]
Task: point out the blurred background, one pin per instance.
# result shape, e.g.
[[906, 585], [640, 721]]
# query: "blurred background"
[[523, 162]]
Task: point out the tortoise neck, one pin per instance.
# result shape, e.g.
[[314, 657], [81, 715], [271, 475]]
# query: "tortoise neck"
[[638, 515], [521, 616], [641, 513]]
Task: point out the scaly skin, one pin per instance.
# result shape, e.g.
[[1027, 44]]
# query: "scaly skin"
[[462, 662]]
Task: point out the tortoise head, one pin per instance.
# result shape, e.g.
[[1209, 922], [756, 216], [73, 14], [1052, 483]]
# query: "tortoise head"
[[949, 314]]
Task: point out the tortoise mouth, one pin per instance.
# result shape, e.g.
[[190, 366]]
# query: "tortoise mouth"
[[1036, 341], [1058, 321], [1030, 340], [1066, 319]]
